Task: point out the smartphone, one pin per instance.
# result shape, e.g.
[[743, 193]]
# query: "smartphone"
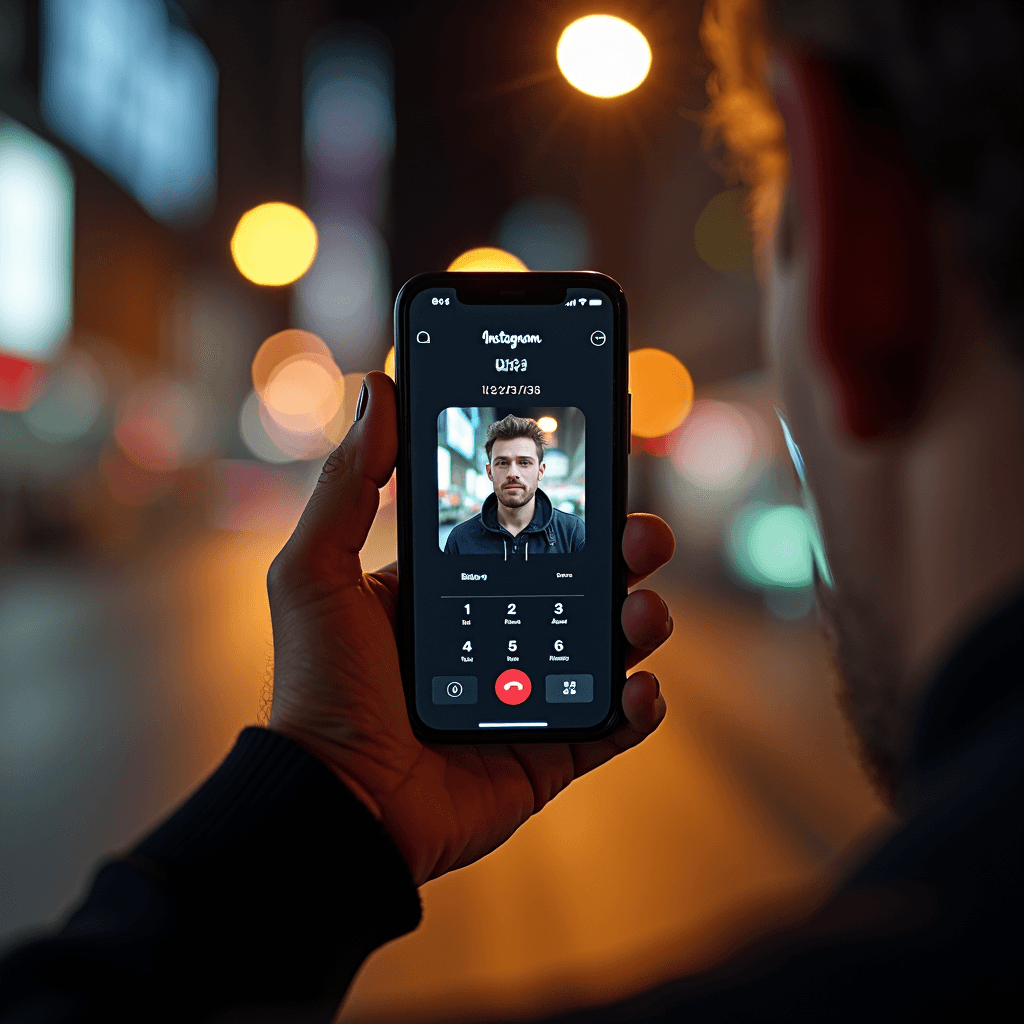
[[513, 418]]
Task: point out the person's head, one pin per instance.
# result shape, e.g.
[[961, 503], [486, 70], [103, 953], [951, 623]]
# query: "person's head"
[[881, 141], [515, 449]]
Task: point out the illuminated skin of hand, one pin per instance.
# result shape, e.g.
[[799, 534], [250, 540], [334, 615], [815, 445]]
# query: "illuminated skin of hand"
[[338, 687]]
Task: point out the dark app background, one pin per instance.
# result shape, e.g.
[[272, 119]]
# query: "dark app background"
[[456, 368]]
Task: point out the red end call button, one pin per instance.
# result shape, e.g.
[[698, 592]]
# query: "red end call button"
[[513, 686]]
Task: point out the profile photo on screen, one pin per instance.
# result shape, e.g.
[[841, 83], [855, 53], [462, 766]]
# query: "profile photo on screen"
[[511, 482]]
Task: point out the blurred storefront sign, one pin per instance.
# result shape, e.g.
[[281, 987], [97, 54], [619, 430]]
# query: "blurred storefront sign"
[[138, 96], [36, 238], [349, 137]]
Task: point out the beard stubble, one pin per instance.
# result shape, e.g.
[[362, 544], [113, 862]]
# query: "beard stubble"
[[870, 686]]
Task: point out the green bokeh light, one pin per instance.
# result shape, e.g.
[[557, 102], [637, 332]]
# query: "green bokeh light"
[[771, 545]]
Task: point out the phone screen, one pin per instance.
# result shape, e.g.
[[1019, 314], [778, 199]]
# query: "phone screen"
[[515, 480]]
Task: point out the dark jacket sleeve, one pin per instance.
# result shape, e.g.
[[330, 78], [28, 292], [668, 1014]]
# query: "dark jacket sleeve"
[[579, 536], [257, 900]]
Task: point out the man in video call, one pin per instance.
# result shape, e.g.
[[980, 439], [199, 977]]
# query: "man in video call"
[[518, 519]]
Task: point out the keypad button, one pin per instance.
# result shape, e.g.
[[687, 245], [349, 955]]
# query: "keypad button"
[[513, 686], [569, 688], [454, 689]]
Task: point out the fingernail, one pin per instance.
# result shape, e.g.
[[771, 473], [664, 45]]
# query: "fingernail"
[[657, 687], [364, 396]]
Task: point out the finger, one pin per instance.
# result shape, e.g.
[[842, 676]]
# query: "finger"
[[340, 511], [647, 544], [646, 621], [388, 575], [644, 708], [384, 583]]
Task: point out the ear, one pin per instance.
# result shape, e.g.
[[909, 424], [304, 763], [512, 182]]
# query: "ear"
[[487, 466], [863, 222], [540, 470]]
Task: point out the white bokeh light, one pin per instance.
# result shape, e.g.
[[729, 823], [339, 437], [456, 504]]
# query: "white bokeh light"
[[36, 231]]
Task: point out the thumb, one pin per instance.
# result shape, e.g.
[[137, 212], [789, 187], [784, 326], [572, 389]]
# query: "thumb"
[[333, 526]]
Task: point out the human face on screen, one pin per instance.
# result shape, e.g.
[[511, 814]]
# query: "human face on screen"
[[515, 471]]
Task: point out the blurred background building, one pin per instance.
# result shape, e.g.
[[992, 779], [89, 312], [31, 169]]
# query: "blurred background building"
[[206, 210]]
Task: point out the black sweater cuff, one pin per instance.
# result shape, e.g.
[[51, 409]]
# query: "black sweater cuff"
[[304, 875], [259, 898]]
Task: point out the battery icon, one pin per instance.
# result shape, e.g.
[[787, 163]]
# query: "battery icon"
[[595, 302]]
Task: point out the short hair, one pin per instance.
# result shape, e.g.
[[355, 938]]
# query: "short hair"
[[946, 74], [516, 426]]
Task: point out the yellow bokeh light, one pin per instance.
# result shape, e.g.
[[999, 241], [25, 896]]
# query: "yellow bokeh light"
[[283, 347], [389, 363], [301, 394], [602, 55], [662, 392], [274, 244], [722, 235], [548, 424], [304, 394], [487, 258]]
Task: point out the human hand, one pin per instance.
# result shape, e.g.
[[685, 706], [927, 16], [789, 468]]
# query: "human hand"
[[338, 690]]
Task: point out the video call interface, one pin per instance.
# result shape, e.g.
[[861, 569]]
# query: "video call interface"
[[512, 426]]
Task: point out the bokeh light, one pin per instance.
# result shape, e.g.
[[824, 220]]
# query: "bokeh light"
[[131, 484], [136, 92], [548, 424], [274, 244], [21, 381], [662, 391], [346, 296], [297, 444], [70, 402], [161, 425], [389, 363], [714, 449], [300, 393], [304, 393], [771, 545], [349, 112], [36, 240], [722, 235], [254, 435], [487, 258], [602, 55], [280, 348], [546, 234]]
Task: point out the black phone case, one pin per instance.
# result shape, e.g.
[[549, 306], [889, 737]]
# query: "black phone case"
[[507, 289]]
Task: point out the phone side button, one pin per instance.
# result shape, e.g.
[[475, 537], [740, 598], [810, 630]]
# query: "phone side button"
[[453, 689], [629, 421]]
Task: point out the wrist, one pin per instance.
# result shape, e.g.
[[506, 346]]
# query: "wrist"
[[317, 750]]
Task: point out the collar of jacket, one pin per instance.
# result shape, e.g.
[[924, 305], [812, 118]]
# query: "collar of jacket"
[[543, 513], [976, 695]]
